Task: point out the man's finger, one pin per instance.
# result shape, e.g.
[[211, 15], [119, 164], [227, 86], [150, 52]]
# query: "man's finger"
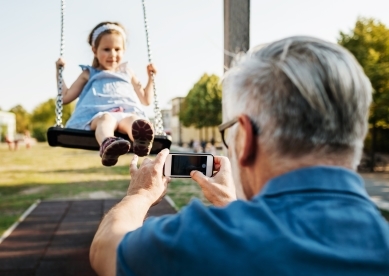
[[166, 180], [200, 178], [161, 158], [222, 162], [217, 167], [134, 164]]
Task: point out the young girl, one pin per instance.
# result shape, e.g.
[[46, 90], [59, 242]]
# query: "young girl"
[[111, 97]]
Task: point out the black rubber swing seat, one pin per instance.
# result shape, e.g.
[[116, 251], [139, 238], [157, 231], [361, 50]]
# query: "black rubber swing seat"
[[85, 139]]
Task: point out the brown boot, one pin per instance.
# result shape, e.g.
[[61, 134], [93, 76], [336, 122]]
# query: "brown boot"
[[112, 148], [143, 134]]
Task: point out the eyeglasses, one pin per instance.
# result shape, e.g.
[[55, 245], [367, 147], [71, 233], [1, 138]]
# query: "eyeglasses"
[[223, 128]]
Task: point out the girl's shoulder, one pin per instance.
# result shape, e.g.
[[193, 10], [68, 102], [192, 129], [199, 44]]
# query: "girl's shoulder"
[[88, 68], [126, 69], [89, 71]]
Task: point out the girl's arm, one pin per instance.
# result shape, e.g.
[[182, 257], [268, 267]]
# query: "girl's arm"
[[71, 93], [146, 94]]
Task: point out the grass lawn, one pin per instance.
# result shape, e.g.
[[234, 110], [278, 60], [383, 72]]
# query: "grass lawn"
[[43, 172]]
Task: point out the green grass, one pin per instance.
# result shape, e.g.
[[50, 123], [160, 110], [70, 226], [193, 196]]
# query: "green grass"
[[43, 172], [183, 190]]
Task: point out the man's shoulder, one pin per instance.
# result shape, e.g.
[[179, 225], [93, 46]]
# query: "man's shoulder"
[[259, 232]]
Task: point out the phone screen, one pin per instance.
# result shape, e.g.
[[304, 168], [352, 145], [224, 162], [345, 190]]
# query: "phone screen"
[[184, 164]]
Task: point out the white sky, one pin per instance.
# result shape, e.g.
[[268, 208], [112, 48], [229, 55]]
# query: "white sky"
[[186, 38]]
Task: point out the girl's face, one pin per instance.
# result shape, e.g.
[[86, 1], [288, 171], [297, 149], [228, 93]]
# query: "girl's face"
[[109, 52]]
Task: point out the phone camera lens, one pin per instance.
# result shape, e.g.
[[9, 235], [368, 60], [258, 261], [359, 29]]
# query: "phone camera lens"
[[203, 166]]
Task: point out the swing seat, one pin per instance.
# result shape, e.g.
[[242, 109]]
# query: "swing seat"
[[85, 139]]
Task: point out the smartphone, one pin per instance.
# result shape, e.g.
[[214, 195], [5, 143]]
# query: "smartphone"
[[179, 165]]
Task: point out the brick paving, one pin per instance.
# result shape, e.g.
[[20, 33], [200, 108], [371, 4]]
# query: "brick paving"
[[55, 238]]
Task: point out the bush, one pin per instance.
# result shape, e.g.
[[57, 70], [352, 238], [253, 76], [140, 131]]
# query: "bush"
[[39, 132]]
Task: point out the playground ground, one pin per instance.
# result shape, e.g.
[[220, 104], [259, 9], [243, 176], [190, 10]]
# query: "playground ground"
[[45, 173]]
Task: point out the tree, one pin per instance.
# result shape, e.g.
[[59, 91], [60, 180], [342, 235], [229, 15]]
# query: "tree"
[[369, 42], [22, 118], [202, 106], [43, 117]]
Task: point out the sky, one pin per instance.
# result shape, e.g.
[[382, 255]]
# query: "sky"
[[186, 38]]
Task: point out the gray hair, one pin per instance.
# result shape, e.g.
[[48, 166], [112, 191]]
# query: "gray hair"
[[304, 94]]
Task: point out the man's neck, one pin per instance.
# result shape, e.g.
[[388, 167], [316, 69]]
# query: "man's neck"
[[268, 167]]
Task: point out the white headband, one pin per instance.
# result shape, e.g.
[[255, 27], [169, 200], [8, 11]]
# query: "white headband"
[[105, 27]]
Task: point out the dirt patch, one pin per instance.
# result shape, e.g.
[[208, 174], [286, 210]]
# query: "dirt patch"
[[100, 195], [33, 190]]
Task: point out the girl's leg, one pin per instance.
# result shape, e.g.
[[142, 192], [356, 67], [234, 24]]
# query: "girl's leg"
[[125, 125], [140, 131], [104, 127], [111, 147]]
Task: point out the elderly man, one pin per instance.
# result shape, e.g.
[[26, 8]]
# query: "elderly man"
[[296, 114]]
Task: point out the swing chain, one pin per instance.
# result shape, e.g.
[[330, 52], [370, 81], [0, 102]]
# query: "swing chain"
[[59, 102], [158, 123]]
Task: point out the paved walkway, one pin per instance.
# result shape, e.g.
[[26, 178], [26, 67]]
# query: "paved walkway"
[[55, 238], [377, 186]]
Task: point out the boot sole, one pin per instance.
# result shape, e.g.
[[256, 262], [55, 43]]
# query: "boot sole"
[[143, 135], [113, 151]]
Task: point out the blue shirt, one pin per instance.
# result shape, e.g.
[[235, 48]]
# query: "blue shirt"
[[105, 91], [312, 221]]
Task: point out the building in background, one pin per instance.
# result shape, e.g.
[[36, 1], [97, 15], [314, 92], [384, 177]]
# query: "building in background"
[[166, 119], [7, 125], [184, 136]]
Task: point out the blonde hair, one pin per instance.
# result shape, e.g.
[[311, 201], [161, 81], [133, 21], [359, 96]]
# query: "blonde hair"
[[95, 43]]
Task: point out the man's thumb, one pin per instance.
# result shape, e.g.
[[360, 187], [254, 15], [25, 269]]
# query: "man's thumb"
[[199, 177]]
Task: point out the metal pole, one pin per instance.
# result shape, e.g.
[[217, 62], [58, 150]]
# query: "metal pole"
[[236, 28]]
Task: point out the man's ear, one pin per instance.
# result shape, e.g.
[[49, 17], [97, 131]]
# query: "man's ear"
[[248, 141]]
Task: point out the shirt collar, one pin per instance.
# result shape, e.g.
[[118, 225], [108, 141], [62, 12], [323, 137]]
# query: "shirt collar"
[[325, 178]]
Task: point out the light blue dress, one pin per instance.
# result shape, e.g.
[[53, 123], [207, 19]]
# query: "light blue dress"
[[105, 91]]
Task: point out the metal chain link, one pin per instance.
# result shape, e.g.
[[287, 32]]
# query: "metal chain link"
[[158, 123], [59, 103]]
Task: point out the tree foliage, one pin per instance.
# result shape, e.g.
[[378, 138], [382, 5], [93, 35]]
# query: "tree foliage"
[[369, 43], [43, 117], [23, 118], [202, 106]]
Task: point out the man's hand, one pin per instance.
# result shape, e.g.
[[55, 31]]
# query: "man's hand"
[[148, 180], [219, 189]]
